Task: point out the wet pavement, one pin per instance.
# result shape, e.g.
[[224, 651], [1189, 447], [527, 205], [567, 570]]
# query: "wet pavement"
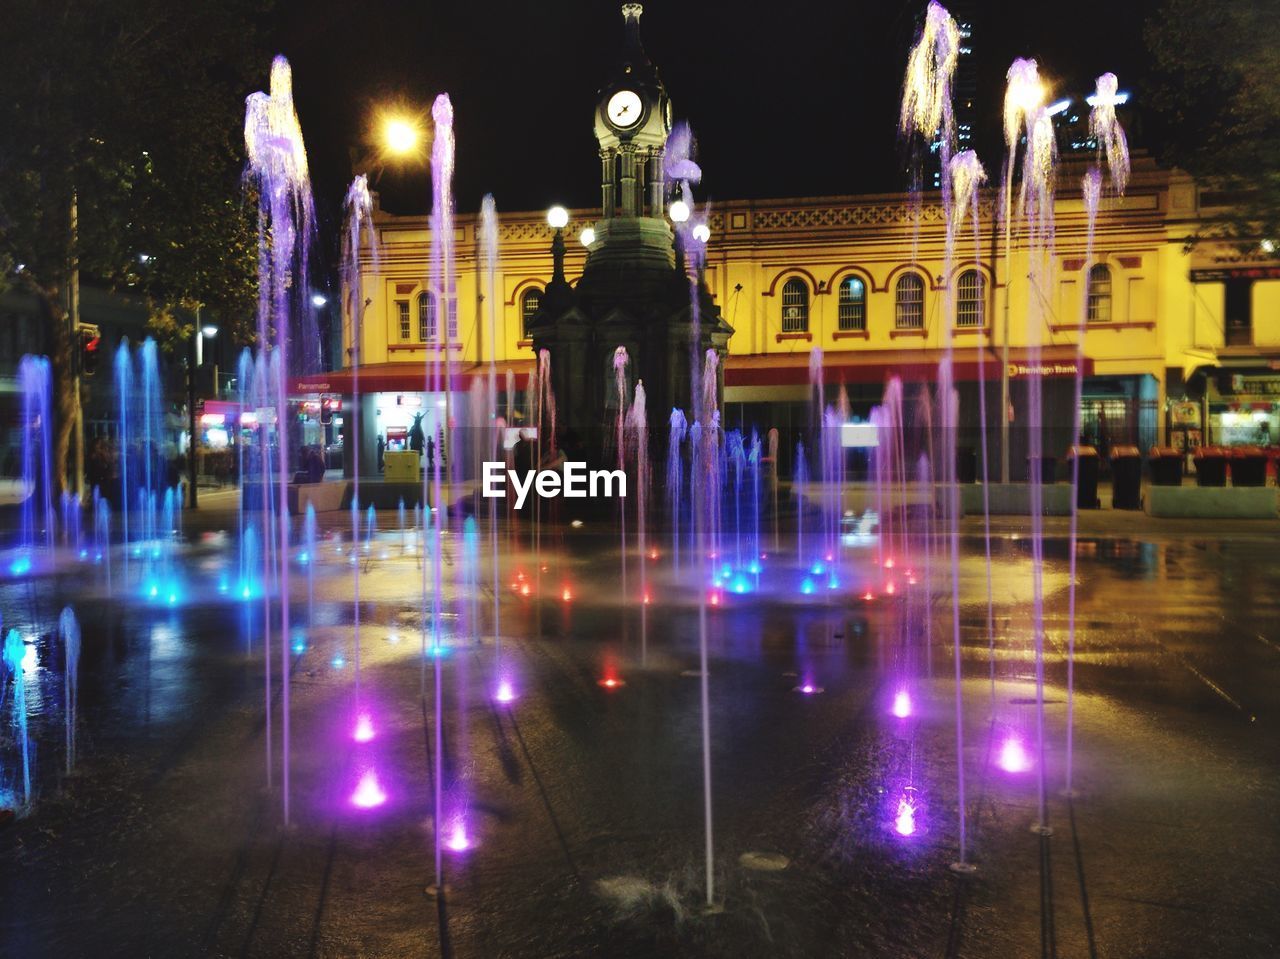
[[584, 804]]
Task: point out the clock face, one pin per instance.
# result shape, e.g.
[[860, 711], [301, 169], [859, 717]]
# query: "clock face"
[[624, 109]]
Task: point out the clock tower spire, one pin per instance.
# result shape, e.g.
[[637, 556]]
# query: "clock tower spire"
[[633, 118]]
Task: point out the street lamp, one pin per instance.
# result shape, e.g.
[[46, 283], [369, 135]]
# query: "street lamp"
[[557, 217], [702, 233], [587, 236], [199, 333], [400, 136], [679, 212]]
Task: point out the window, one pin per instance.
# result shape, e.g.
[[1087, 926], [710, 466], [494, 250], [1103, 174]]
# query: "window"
[[427, 318], [795, 306], [453, 318], [853, 304], [971, 298], [1100, 294], [402, 313], [530, 303], [908, 302]]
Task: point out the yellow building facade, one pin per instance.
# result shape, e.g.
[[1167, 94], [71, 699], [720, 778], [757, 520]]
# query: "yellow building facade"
[[1181, 344]]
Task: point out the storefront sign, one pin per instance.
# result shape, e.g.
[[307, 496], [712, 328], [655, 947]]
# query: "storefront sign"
[[1256, 385], [1017, 370], [1236, 273], [1185, 414]]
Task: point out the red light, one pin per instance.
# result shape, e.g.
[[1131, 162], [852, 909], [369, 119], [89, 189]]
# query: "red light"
[[653, 554], [524, 590], [868, 596], [715, 598], [92, 345], [647, 599], [889, 588], [566, 595]]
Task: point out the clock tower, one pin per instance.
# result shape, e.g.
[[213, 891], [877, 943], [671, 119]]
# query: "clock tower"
[[634, 291]]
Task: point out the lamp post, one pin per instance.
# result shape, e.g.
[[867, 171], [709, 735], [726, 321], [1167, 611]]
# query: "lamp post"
[[195, 359]]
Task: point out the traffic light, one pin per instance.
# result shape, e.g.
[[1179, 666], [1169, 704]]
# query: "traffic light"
[[90, 344]]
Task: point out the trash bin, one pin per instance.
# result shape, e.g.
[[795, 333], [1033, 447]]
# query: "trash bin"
[[1166, 466], [966, 465], [1248, 466], [1126, 477], [1211, 466], [1087, 482], [1048, 468]]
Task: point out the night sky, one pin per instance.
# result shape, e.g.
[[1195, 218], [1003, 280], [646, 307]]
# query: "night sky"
[[786, 99]]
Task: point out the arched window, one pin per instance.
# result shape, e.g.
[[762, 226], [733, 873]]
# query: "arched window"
[[795, 306], [853, 304], [530, 303], [908, 302], [1100, 294], [427, 317], [971, 298]]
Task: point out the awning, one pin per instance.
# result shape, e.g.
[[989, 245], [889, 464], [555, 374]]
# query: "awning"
[[912, 366], [406, 378]]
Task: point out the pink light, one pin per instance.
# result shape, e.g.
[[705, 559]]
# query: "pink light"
[[505, 693], [889, 588], [524, 590], [458, 840], [647, 599], [1013, 758], [888, 563], [829, 557], [610, 682], [868, 596], [368, 794], [715, 598], [902, 704], [904, 824], [807, 689], [653, 554], [364, 729]]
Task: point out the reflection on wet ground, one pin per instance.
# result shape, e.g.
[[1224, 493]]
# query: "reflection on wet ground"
[[582, 801]]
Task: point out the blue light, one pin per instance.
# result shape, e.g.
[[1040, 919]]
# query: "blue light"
[[740, 584], [817, 569], [726, 571], [807, 587], [438, 651], [832, 582], [299, 647], [754, 569], [173, 598], [304, 557], [338, 661], [84, 554], [20, 566]]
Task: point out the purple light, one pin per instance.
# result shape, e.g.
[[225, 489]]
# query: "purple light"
[[1013, 758], [902, 704], [904, 823], [505, 693], [368, 794], [458, 840], [807, 689], [363, 732]]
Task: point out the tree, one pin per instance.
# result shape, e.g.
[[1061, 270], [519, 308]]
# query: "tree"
[[120, 154], [1215, 92]]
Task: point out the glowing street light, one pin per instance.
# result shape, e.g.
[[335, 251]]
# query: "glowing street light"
[[400, 136], [557, 217], [679, 212], [587, 236], [702, 233]]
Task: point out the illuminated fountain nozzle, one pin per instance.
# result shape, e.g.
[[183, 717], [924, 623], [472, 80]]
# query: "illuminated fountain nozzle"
[[363, 732], [1013, 756], [902, 704], [458, 840], [369, 793], [904, 821], [505, 693]]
